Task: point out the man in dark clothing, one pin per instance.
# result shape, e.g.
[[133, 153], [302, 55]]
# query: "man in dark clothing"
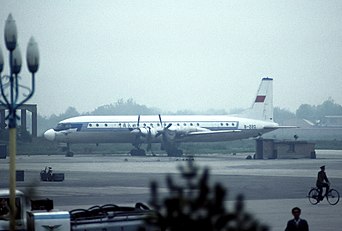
[[297, 224], [4, 209], [322, 182]]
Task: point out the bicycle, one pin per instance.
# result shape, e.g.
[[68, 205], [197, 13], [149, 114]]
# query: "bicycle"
[[333, 196]]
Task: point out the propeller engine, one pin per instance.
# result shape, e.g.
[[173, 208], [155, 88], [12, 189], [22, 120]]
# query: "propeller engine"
[[166, 133], [148, 134], [142, 134]]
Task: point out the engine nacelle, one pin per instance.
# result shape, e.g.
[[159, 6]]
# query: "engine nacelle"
[[146, 131]]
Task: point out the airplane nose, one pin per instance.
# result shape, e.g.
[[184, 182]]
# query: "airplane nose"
[[50, 135]]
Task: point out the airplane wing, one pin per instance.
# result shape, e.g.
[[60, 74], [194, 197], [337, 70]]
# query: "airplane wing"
[[277, 127], [209, 132]]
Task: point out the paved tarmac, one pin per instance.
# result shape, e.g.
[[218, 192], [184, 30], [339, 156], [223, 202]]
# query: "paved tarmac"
[[271, 187]]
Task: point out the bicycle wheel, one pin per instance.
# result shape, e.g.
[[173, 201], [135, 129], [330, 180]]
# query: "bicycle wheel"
[[333, 197], [313, 196]]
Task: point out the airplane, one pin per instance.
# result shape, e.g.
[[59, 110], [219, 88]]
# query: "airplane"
[[169, 130]]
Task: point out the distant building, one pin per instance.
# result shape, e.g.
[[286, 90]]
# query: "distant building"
[[23, 109]]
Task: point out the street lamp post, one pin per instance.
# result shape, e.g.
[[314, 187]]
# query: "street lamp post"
[[10, 86]]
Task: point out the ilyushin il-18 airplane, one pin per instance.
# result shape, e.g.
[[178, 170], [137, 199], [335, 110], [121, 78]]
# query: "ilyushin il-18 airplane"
[[169, 130]]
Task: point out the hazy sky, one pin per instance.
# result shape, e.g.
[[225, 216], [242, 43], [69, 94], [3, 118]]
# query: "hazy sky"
[[178, 55]]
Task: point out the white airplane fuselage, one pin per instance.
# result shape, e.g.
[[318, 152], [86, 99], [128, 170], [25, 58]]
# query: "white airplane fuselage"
[[170, 130], [118, 129]]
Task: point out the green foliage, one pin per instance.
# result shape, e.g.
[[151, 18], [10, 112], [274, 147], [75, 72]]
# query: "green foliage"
[[45, 123], [121, 107], [195, 205], [281, 115], [313, 113], [328, 107]]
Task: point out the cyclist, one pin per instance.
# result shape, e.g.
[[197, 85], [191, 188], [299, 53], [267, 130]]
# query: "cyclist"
[[322, 182]]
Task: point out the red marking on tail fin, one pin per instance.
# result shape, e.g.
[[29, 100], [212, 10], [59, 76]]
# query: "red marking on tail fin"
[[260, 98]]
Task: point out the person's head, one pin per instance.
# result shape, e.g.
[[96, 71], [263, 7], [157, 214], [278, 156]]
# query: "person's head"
[[296, 212], [322, 168], [3, 202]]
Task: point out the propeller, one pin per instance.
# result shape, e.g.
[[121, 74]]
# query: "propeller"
[[149, 133], [137, 132], [145, 132], [149, 139], [164, 131]]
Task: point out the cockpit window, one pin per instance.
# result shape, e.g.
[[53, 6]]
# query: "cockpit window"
[[66, 126]]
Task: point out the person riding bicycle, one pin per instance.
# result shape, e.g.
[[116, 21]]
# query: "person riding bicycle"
[[322, 182]]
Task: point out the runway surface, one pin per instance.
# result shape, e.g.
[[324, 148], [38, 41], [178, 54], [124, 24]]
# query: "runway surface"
[[271, 187]]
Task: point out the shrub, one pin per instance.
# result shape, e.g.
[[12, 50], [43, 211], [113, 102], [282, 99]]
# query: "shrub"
[[193, 204]]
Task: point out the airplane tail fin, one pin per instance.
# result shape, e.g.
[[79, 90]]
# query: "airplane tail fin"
[[262, 107]]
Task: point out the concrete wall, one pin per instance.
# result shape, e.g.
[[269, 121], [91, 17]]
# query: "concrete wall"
[[271, 149], [294, 150]]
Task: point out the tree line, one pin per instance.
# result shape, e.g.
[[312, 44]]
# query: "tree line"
[[313, 113]]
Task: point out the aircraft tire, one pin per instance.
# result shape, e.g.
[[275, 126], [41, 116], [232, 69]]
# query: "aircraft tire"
[[175, 152], [69, 154], [138, 152]]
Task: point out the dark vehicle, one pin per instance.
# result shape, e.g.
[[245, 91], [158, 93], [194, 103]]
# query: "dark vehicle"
[[47, 175]]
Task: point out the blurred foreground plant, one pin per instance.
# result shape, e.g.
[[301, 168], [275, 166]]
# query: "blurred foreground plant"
[[193, 204]]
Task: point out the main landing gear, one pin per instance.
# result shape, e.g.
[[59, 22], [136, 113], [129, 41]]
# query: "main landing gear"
[[68, 152], [137, 152], [172, 149], [170, 152], [175, 152]]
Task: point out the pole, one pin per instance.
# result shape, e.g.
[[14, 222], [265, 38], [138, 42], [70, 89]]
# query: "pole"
[[12, 145], [12, 102], [12, 151]]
